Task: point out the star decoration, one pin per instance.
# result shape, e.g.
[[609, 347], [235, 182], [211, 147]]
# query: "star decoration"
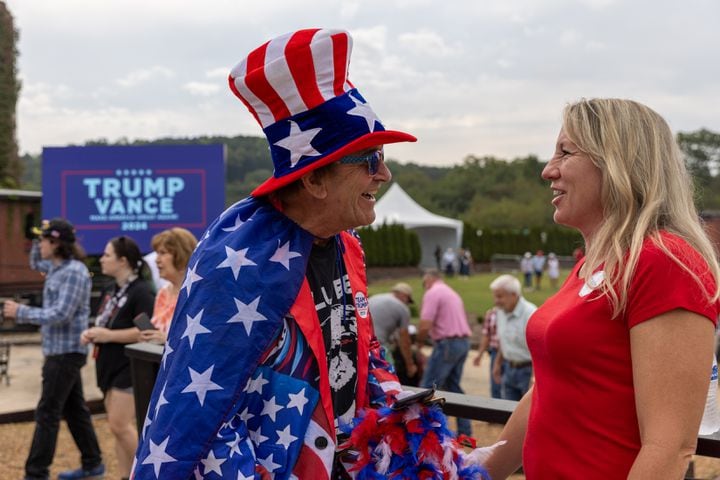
[[158, 456], [190, 278], [234, 445], [212, 464], [146, 424], [245, 415], [247, 314], [283, 255], [271, 408], [237, 225], [256, 385], [297, 400], [194, 328], [241, 476], [298, 143], [235, 260], [201, 383], [285, 438], [256, 436], [161, 401], [268, 463], [363, 110], [166, 354]]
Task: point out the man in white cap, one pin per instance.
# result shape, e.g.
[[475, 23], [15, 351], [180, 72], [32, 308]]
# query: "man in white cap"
[[391, 319]]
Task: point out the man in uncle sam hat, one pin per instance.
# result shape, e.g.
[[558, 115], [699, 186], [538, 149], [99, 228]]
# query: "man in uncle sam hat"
[[271, 353]]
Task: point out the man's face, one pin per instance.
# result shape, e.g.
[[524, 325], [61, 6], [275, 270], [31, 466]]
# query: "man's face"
[[47, 248], [351, 191], [505, 300]]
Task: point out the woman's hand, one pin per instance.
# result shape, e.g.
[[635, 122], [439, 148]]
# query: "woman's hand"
[[153, 336]]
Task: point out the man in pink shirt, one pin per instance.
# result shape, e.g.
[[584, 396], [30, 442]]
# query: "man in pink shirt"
[[443, 317]]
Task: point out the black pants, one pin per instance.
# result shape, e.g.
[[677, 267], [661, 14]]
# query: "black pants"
[[62, 396]]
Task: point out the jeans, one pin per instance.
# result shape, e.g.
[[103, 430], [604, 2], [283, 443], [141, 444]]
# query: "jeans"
[[515, 381], [62, 395], [444, 369], [495, 388]]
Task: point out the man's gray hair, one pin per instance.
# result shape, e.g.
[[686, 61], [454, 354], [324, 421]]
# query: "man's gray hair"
[[508, 283]]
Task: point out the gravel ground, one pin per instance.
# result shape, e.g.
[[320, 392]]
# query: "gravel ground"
[[15, 440]]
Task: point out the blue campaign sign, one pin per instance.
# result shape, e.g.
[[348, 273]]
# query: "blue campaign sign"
[[138, 191]]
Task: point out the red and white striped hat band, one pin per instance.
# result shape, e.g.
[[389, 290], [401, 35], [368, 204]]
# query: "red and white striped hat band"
[[297, 88]]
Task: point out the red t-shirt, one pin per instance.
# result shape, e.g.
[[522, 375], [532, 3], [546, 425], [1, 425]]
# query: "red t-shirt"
[[583, 422]]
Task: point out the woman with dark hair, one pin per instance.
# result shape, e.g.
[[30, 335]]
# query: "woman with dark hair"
[[114, 328]]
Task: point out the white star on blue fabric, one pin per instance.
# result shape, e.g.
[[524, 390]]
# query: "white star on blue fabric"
[[256, 435], [194, 328], [158, 456], [191, 278], [234, 445], [247, 314], [298, 143], [284, 437], [241, 476], [363, 110], [166, 353], [254, 385], [146, 424], [283, 255], [270, 408], [246, 415], [298, 400], [235, 260], [268, 463], [238, 224], [212, 464], [161, 401], [201, 383]]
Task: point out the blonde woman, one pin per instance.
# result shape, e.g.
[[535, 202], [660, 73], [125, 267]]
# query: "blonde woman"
[[173, 248], [622, 353]]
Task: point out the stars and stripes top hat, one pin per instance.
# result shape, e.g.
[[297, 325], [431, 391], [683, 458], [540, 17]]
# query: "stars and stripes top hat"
[[297, 88]]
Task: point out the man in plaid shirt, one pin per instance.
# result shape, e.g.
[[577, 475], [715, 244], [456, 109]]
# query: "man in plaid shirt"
[[63, 316]]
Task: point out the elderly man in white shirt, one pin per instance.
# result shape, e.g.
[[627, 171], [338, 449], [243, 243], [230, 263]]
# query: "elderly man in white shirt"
[[512, 317]]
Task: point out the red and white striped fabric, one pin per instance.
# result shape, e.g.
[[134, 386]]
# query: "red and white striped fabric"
[[297, 88], [293, 73]]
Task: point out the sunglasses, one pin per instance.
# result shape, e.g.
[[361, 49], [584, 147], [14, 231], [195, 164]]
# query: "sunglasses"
[[373, 160]]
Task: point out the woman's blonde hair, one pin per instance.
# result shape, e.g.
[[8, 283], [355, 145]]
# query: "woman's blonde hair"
[[645, 189], [179, 242]]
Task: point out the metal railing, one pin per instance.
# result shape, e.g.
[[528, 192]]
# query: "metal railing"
[[145, 360]]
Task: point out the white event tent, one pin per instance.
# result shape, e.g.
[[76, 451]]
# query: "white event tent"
[[396, 206]]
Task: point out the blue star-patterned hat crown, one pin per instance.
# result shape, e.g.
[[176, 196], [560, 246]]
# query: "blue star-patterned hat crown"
[[297, 88]]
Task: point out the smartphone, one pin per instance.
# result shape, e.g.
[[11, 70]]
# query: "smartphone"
[[420, 397], [142, 321]]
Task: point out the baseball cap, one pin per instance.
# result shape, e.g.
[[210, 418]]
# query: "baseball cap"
[[403, 288]]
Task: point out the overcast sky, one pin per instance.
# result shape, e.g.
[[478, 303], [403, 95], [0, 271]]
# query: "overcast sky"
[[482, 77]]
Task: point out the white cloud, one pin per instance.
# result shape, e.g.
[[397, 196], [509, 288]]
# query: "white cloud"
[[426, 42], [137, 77], [201, 89]]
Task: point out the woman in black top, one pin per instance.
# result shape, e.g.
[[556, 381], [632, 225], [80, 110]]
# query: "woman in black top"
[[114, 328]]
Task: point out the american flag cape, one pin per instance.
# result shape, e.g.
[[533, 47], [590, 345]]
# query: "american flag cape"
[[214, 412]]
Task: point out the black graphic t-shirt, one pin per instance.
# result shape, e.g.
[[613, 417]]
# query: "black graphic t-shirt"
[[332, 295]]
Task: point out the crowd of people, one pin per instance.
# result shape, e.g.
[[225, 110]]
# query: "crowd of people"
[[67, 334], [276, 358]]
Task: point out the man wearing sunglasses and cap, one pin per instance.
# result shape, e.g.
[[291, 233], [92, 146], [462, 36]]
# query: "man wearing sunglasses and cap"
[[62, 317], [271, 352]]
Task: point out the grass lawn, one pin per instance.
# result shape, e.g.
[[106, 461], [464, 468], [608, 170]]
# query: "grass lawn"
[[475, 291]]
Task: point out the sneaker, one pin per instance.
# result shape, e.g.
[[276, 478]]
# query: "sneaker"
[[96, 473]]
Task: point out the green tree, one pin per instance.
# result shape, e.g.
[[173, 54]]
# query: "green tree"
[[10, 168], [702, 157]]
